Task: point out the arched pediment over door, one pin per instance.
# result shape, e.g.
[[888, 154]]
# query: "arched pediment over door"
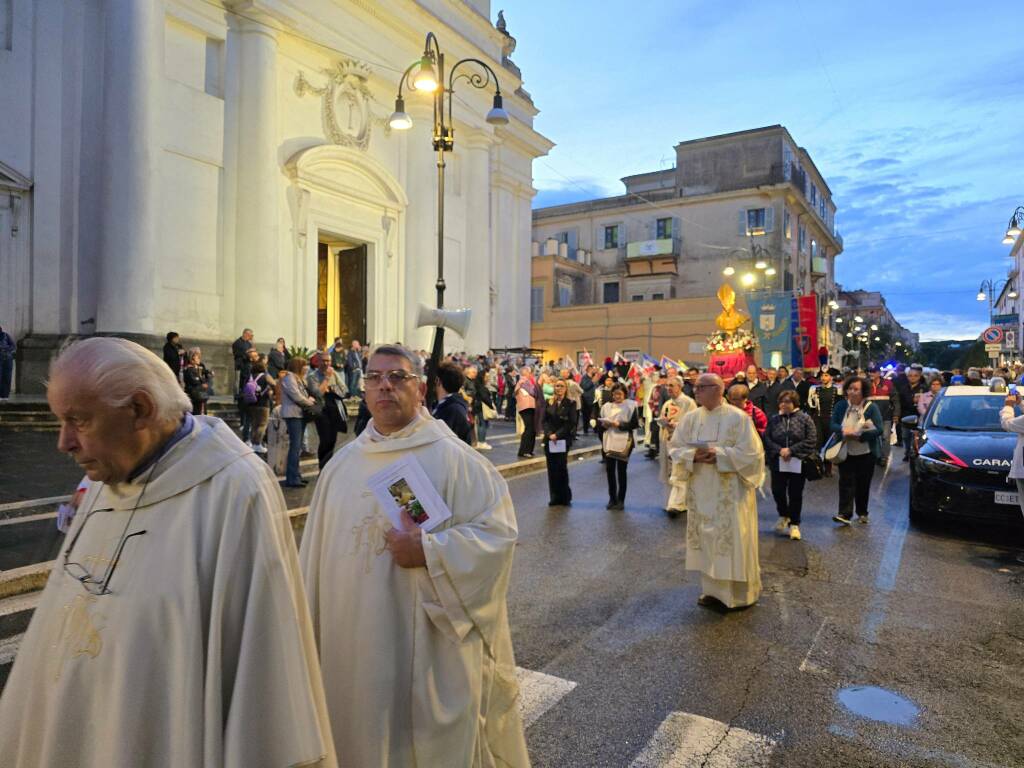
[[345, 194]]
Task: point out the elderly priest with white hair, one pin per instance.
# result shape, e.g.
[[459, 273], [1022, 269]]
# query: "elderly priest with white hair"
[[720, 456], [173, 630], [411, 621]]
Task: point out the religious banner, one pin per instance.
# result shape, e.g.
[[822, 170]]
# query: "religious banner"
[[805, 331], [770, 313]]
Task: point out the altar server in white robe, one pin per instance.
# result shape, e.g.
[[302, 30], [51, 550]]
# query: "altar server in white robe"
[[412, 627], [672, 411], [721, 458], [173, 630]]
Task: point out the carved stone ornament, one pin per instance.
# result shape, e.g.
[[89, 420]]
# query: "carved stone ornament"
[[346, 103]]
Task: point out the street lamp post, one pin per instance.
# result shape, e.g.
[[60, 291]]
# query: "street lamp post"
[[1013, 229], [429, 78], [991, 289], [762, 262]]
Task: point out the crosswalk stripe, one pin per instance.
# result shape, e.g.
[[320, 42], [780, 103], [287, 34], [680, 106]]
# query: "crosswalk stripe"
[[539, 692], [692, 741]]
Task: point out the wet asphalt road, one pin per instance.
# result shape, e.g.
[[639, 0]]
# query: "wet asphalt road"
[[639, 675], [601, 599]]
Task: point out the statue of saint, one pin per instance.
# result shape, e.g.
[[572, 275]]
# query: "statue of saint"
[[731, 318]]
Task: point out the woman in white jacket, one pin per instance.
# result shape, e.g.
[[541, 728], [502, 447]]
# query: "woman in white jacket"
[[1013, 423]]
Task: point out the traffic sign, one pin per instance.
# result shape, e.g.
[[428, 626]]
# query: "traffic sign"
[[992, 335], [996, 348], [1010, 340]]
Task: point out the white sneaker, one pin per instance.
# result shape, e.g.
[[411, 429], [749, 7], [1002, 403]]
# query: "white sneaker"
[[483, 447], [794, 532], [260, 448], [782, 525]]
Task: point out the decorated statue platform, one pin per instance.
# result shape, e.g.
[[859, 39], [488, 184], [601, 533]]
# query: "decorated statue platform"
[[731, 348]]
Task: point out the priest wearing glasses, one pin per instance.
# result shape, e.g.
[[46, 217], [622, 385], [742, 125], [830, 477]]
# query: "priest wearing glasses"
[[173, 630], [412, 624]]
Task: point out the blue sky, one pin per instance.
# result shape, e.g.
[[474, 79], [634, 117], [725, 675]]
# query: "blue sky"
[[913, 111]]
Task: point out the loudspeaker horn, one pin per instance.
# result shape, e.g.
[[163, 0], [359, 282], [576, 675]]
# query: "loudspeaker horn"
[[455, 319]]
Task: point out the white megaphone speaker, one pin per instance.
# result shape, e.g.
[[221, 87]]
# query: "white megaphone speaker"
[[455, 319]]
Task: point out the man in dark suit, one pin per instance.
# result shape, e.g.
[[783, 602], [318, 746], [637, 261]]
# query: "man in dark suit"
[[451, 406], [240, 346], [782, 383]]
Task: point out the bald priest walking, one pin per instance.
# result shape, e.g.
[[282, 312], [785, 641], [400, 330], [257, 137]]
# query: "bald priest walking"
[[411, 622], [173, 629]]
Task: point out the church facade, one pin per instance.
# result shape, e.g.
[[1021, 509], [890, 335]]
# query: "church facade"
[[203, 166]]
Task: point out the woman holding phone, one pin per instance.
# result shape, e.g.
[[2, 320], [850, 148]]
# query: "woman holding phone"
[[559, 426], [616, 425]]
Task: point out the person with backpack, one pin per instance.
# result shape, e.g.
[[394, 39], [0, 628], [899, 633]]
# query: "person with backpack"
[[257, 396], [198, 381], [325, 385]]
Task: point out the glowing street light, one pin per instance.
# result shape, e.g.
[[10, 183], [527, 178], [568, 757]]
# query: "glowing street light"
[[729, 271]]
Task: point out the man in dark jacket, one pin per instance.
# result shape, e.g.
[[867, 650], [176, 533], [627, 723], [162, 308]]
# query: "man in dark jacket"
[[475, 390], [589, 389], [240, 346], [907, 391], [451, 407], [782, 383], [8, 348], [758, 389]]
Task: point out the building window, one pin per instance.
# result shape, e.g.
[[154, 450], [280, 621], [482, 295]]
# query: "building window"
[[814, 248], [821, 208], [657, 296], [611, 293], [564, 294], [787, 225], [537, 305], [755, 219], [562, 237], [663, 230], [814, 195], [637, 297], [611, 236], [802, 239]]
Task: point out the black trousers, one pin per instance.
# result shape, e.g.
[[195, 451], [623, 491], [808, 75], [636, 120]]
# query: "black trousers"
[[559, 491], [788, 492], [616, 469], [529, 439], [586, 413], [327, 431], [655, 436], [855, 484]]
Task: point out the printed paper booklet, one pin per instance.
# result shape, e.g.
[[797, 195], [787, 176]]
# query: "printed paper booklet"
[[404, 485]]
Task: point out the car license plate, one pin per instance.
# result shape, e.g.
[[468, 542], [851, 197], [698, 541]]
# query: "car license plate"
[[1004, 497]]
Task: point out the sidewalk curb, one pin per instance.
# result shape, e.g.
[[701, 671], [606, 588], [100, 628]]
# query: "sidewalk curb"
[[31, 578]]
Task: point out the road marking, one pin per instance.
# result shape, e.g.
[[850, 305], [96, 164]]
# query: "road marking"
[[692, 741], [9, 648], [539, 692], [807, 665], [29, 503]]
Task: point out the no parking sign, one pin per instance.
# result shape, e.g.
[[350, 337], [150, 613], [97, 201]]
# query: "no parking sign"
[[992, 335]]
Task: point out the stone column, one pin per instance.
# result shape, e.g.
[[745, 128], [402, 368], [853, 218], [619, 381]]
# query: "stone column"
[[133, 79], [264, 291], [477, 251]]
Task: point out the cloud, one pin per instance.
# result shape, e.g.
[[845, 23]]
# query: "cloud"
[[939, 326], [562, 195], [877, 163]]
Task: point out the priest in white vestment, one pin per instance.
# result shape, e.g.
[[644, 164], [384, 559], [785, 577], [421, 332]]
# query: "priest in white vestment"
[[672, 411], [720, 456], [412, 626], [173, 630]]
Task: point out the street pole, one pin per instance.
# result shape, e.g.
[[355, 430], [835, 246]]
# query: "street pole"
[[429, 80]]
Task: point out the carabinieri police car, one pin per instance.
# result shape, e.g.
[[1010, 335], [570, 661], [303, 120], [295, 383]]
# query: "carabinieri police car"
[[961, 458]]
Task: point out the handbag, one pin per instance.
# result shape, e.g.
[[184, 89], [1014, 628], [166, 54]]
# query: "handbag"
[[488, 412], [813, 467], [617, 445], [834, 451]]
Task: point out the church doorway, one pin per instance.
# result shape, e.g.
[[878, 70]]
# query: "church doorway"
[[341, 292]]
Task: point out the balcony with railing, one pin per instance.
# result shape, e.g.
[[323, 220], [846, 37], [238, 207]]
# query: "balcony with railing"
[[657, 256]]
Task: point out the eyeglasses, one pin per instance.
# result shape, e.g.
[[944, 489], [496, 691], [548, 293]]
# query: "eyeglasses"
[[81, 574], [394, 378]]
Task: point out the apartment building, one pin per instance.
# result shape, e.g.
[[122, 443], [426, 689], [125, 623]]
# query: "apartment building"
[[752, 200], [871, 307]]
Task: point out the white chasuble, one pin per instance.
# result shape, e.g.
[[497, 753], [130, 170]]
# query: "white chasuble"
[[202, 654], [721, 526], [673, 411], [417, 662]]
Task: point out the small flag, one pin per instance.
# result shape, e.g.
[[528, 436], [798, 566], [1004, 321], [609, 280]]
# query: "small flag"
[[586, 360], [667, 362]]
